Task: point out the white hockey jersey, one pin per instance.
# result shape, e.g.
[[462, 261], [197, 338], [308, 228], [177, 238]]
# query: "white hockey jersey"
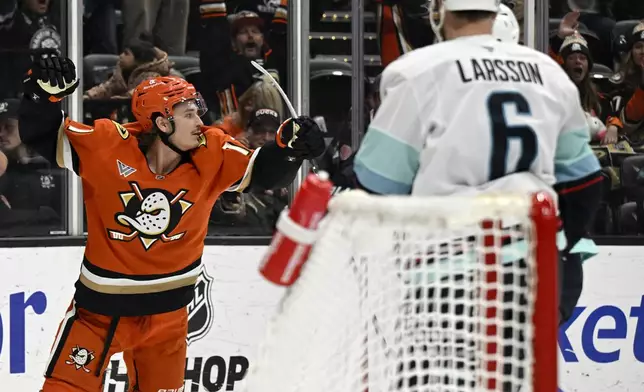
[[475, 115]]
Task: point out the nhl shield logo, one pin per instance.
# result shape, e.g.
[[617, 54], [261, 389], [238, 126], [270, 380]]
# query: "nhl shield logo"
[[200, 311]]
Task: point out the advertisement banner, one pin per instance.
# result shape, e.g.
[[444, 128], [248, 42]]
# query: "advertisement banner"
[[227, 317], [600, 349]]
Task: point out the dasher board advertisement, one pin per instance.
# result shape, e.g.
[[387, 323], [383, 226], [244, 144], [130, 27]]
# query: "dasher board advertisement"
[[600, 349]]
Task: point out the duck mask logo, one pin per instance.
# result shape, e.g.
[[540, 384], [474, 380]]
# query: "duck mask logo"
[[151, 215]]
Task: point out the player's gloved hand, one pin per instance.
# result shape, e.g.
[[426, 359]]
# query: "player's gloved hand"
[[50, 78], [303, 136]]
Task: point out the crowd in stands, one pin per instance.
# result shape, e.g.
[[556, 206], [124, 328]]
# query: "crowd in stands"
[[211, 44], [605, 59]]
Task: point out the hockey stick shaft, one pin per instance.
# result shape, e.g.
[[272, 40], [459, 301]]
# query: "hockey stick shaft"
[[291, 109], [278, 87]]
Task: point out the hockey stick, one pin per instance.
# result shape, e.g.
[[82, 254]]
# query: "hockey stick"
[[278, 87], [291, 109]]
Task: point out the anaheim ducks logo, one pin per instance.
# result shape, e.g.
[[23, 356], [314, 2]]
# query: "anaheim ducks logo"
[[151, 214]]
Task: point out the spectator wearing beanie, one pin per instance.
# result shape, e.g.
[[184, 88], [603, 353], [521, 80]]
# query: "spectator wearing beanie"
[[577, 62], [139, 61], [262, 127]]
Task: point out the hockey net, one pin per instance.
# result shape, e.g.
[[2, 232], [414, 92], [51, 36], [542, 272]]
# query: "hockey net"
[[420, 294]]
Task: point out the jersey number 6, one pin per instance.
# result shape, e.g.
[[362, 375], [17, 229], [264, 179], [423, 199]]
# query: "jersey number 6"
[[502, 133]]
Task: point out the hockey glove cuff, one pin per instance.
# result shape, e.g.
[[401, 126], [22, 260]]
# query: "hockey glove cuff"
[[303, 136]]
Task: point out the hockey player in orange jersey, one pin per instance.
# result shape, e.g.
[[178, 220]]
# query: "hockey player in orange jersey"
[[149, 188]]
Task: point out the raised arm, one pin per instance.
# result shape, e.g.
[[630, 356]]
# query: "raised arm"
[[50, 79], [44, 126]]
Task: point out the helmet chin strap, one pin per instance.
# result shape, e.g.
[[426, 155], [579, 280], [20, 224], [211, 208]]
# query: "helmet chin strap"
[[165, 138]]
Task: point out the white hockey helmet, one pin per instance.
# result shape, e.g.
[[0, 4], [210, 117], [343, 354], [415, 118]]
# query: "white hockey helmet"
[[438, 7], [506, 27]]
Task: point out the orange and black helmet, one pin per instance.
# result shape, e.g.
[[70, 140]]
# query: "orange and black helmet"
[[160, 95]]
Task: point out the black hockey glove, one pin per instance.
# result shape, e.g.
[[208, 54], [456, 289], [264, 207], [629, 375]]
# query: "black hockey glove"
[[50, 78], [303, 136]]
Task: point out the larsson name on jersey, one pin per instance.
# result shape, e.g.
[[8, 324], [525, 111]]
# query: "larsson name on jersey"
[[495, 70]]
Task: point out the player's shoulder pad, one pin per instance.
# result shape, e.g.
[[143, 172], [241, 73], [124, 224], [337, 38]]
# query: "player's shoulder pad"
[[400, 73], [557, 76], [419, 60], [213, 130], [213, 135], [121, 130]]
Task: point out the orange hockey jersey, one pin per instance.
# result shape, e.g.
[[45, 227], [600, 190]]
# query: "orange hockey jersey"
[[145, 231]]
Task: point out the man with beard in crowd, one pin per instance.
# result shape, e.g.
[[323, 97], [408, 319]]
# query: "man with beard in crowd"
[[227, 48]]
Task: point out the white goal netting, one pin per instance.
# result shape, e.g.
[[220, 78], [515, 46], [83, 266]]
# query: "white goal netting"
[[409, 294]]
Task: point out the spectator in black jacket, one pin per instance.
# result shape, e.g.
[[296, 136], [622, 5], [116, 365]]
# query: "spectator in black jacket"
[[30, 190]]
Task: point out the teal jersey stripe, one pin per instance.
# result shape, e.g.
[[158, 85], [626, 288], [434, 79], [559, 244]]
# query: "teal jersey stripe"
[[574, 158], [565, 172], [385, 164], [379, 184]]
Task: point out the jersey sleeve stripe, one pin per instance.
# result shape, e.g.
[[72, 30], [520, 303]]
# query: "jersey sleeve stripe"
[[75, 129], [386, 162], [245, 181], [64, 149], [377, 183]]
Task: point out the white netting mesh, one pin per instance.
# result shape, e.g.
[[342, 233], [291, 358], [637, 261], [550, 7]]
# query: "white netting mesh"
[[408, 294]]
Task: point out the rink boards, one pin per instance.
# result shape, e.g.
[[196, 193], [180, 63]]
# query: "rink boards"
[[601, 349]]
